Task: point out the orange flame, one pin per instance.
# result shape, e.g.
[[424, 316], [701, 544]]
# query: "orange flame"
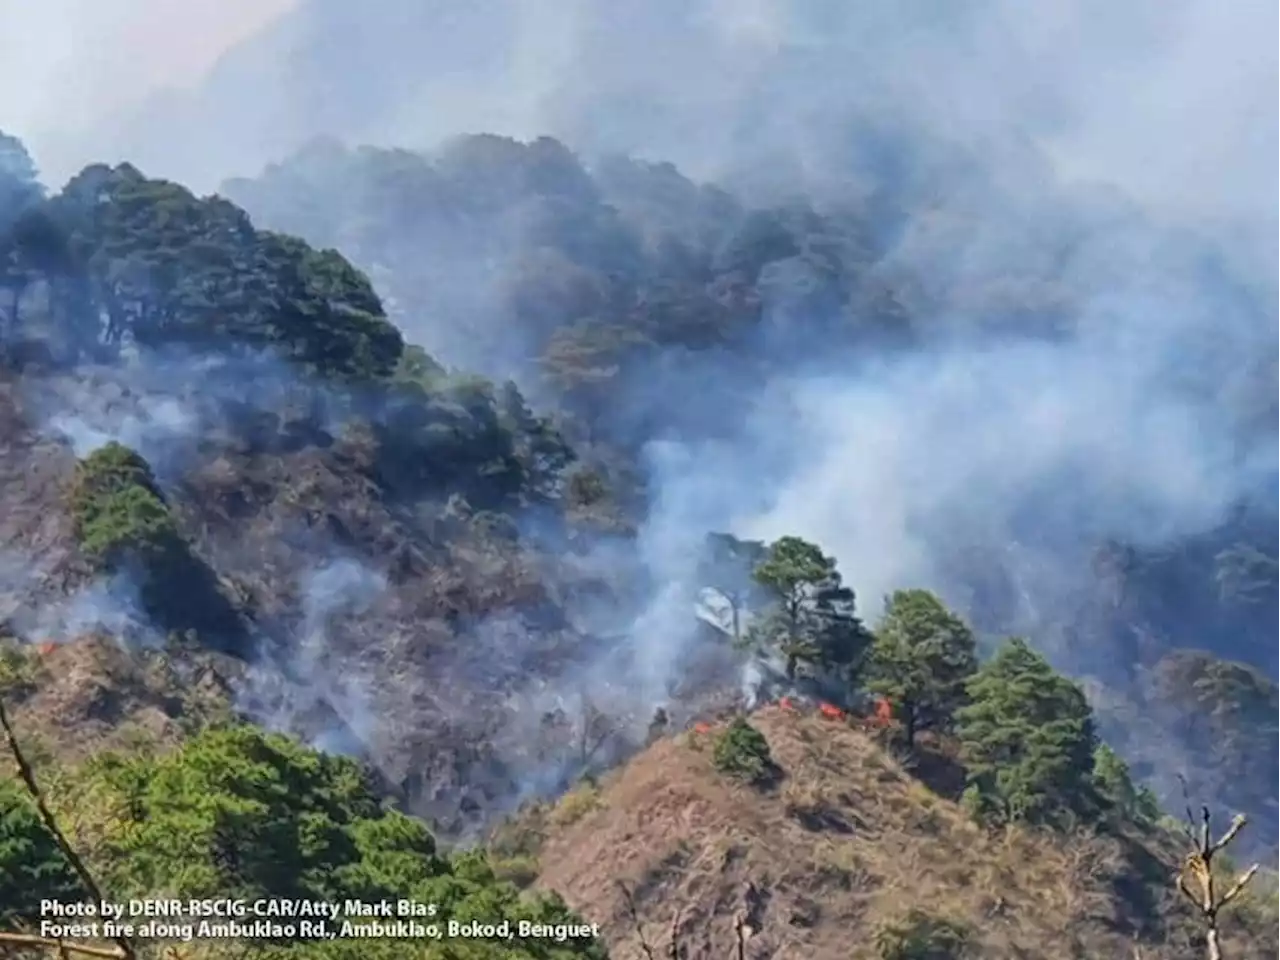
[[884, 712], [831, 712], [46, 648], [786, 704], [702, 728]]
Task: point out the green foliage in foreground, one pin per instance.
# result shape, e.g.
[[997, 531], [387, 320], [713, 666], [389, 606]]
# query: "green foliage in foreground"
[[240, 813], [31, 865]]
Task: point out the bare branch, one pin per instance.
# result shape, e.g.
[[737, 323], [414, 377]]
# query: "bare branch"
[[745, 921], [629, 900], [51, 824], [31, 940], [1199, 865], [741, 934], [1190, 828], [1238, 887], [1186, 891], [1236, 826], [673, 944]]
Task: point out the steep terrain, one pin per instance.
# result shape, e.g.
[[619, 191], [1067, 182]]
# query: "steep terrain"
[[85, 695], [238, 498], [772, 478], [815, 363], [846, 849], [393, 559]]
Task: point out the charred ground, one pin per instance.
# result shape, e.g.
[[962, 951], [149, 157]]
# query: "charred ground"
[[231, 488]]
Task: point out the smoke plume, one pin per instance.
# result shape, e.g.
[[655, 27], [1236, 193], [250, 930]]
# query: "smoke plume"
[[1111, 164]]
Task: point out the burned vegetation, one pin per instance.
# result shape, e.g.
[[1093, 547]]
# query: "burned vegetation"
[[293, 609]]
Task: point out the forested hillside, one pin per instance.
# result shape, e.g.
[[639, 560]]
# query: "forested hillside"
[[659, 317], [265, 469], [621, 455], [772, 479]]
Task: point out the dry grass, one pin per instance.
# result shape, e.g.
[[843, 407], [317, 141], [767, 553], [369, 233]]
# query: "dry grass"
[[266, 517], [87, 694], [847, 845], [576, 804]]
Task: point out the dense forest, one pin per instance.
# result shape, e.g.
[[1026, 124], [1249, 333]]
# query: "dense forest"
[[470, 475], [615, 295]]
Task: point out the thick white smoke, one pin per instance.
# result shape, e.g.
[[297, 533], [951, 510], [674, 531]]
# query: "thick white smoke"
[[1172, 101], [1122, 429]]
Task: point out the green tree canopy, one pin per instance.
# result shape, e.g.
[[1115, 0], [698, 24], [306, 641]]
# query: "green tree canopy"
[[1114, 783], [812, 618], [244, 813], [1027, 740], [27, 242], [124, 525], [32, 868], [166, 267], [920, 659], [19, 185], [236, 812], [118, 509]]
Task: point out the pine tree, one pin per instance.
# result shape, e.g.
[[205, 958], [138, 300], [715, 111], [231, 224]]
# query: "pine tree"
[[1027, 740], [1114, 783], [32, 868], [813, 620], [920, 659]]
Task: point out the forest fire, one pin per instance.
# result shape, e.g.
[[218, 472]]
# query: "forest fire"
[[883, 715], [831, 711]]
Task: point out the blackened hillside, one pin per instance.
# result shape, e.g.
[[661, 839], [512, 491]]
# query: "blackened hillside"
[[652, 311]]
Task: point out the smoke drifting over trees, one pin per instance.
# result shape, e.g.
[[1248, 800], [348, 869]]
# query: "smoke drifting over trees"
[[978, 297]]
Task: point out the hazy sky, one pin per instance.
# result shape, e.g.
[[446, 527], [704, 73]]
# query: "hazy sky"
[[67, 63], [1173, 100]]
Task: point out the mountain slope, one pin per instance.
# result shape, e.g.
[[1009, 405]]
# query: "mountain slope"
[[865, 371], [844, 850], [260, 504], [237, 452]]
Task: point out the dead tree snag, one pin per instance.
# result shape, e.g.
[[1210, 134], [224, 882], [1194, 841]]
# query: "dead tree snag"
[[1196, 880]]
